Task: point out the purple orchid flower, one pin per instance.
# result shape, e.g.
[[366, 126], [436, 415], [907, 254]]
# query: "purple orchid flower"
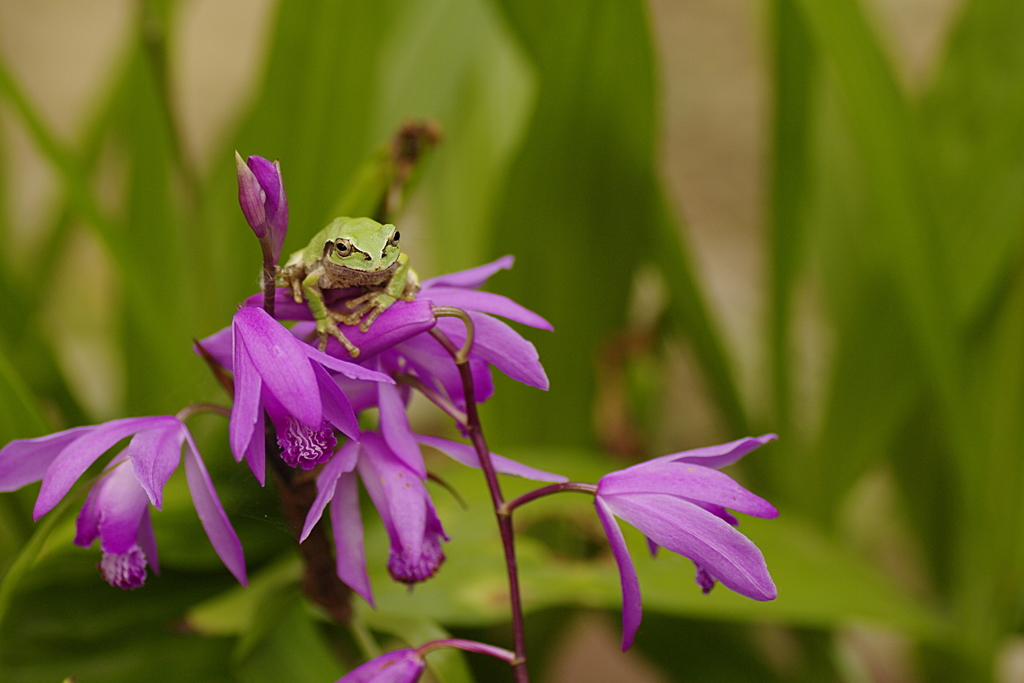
[[402, 502], [276, 371], [117, 508], [406, 665], [679, 502], [263, 201]]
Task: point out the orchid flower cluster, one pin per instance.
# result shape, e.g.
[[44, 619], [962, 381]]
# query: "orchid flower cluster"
[[298, 408]]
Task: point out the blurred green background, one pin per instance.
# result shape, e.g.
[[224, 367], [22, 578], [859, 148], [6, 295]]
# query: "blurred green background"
[[788, 215]]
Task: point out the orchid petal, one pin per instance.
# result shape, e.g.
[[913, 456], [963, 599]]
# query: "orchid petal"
[[219, 345], [394, 425], [716, 510], [686, 481], [87, 524], [632, 605], [343, 461], [347, 522], [486, 302], [285, 305], [245, 410], [397, 666], [269, 179], [427, 359], [256, 451], [402, 320], [503, 347], [721, 455], [251, 197], [119, 507], [147, 541], [685, 528], [467, 456], [76, 457], [345, 368], [360, 394], [397, 493], [337, 410], [280, 360], [24, 461], [211, 513], [155, 454], [472, 278]]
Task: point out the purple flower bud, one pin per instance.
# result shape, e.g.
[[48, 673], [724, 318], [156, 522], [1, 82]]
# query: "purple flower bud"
[[263, 201]]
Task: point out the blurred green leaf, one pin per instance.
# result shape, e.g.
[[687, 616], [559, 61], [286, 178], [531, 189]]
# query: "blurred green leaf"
[[20, 414], [972, 119], [314, 112], [795, 68], [233, 612], [65, 620], [456, 63], [292, 648], [884, 135], [580, 202]]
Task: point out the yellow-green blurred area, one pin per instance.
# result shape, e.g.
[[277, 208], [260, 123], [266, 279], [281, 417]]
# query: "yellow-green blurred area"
[[787, 216]]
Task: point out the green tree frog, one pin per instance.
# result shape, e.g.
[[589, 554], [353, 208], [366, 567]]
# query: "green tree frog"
[[350, 252]]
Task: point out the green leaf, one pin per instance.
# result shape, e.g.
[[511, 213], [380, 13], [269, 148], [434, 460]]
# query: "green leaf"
[[455, 62], [233, 612], [795, 67], [973, 121], [20, 414], [289, 647], [581, 192], [884, 136]]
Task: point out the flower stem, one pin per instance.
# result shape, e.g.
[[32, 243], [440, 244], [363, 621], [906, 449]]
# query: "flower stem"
[[462, 355], [433, 396], [476, 435], [197, 408], [269, 279], [320, 580], [576, 486]]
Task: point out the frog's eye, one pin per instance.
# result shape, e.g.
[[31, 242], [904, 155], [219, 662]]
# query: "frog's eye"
[[343, 248], [394, 239]]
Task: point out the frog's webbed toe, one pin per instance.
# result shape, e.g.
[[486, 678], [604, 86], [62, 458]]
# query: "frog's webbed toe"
[[329, 327], [370, 306]]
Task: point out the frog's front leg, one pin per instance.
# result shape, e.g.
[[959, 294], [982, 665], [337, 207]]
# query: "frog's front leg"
[[324, 317], [291, 277], [403, 285]]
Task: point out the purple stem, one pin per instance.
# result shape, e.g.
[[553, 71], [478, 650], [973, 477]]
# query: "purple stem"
[[476, 435], [468, 646], [577, 486], [269, 265], [433, 396]]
